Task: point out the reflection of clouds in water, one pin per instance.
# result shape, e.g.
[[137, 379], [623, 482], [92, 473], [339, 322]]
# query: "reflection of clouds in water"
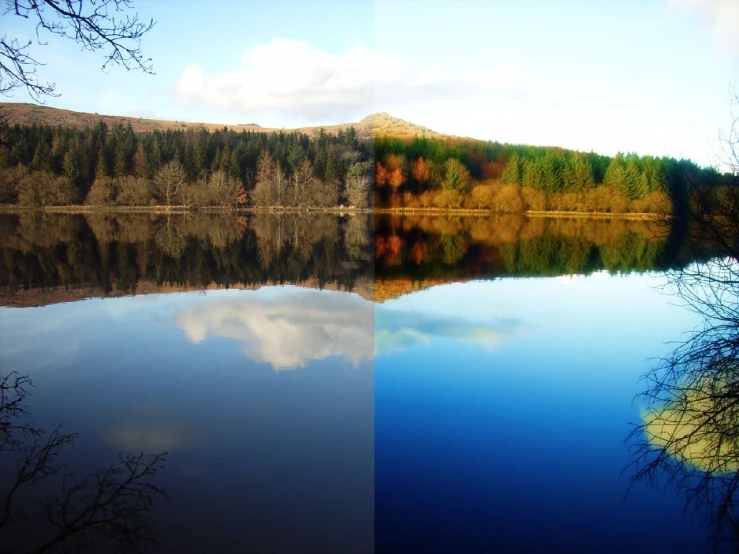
[[297, 326], [147, 436], [42, 337], [27, 357], [151, 429], [399, 330], [289, 330]]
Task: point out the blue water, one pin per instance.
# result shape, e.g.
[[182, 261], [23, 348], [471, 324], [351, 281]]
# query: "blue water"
[[482, 416], [512, 440], [262, 399]]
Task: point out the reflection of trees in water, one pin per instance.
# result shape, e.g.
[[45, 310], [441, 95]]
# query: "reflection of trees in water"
[[358, 238], [430, 246], [170, 238], [108, 509], [115, 252], [689, 434], [299, 234], [453, 248]]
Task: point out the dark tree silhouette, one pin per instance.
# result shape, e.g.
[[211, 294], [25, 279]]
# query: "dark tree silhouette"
[[108, 508], [688, 436], [103, 25]]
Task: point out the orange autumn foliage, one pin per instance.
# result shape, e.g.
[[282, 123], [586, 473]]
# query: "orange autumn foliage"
[[395, 174], [418, 252], [380, 175], [395, 244], [420, 170], [389, 249]]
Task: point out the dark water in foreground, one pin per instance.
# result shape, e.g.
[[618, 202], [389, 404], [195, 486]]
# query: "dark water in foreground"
[[427, 399]]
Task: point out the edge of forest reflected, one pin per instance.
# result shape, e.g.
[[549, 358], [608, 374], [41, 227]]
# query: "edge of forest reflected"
[[10, 209]]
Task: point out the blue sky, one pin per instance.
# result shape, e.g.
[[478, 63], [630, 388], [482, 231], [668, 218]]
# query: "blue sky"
[[650, 76]]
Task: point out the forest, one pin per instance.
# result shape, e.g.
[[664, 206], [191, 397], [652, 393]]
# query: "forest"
[[427, 173], [98, 166]]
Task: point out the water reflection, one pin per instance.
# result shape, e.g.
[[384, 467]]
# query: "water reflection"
[[47, 258], [500, 417], [290, 327], [152, 428], [259, 460], [288, 330], [493, 395], [688, 437], [46, 507], [399, 329]]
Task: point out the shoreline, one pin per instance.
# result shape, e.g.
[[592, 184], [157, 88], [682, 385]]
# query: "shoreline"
[[466, 212]]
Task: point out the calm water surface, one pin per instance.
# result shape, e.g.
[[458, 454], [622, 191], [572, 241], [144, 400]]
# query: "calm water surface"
[[390, 386]]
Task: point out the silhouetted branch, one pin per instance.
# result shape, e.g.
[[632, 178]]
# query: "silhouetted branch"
[[95, 25], [111, 505], [688, 436], [108, 507], [13, 392]]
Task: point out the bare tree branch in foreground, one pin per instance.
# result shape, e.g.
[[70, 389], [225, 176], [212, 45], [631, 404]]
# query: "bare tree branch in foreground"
[[109, 507], [102, 25]]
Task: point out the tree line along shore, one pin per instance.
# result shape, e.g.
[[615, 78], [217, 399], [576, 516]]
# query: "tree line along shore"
[[44, 166]]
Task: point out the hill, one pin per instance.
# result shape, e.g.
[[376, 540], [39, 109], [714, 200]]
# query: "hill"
[[34, 114]]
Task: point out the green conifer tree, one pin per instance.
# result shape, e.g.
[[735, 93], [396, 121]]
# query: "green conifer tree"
[[41, 157], [512, 174], [101, 168]]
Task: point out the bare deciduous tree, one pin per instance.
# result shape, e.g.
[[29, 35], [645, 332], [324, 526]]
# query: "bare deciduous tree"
[[358, 183], [167, 182], [688, 436], [224, 190], [102, 25]]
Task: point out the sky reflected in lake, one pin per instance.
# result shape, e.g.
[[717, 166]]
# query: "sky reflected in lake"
[[260, 459], [435, 406], [509, 437]]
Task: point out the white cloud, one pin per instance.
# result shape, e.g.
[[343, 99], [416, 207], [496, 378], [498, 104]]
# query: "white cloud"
[[292, 78], [290, 331], [719, 17]]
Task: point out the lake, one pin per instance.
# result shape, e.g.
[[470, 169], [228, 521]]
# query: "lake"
[[350, 383]]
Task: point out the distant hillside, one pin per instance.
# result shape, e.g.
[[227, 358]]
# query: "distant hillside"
[[387, 125], [30, 114]]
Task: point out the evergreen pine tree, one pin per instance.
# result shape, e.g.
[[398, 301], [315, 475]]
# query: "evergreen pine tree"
[[512, 173], [616, 173], [101, 168], [577, 174], [141, 166], [71, 164], [41, 157], [120, 165]]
